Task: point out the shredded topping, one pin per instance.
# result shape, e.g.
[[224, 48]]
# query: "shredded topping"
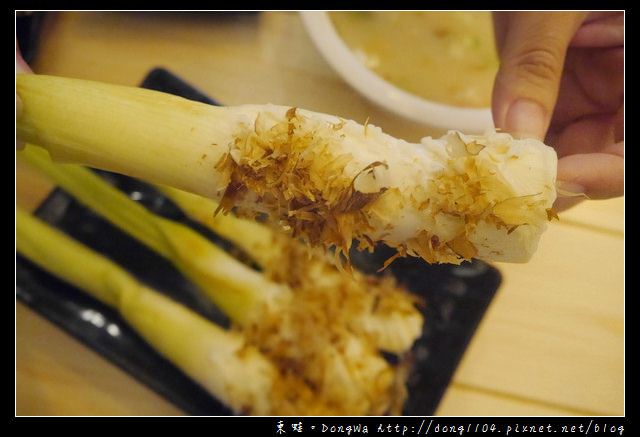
[[295, 169], [324, 191], [326, 341], [295, 175]]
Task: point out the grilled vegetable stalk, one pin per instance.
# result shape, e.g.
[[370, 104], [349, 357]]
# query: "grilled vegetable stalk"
[[275, 315], [221, 361], [330, 181], [242, 294], [351, 379], [377, 307]]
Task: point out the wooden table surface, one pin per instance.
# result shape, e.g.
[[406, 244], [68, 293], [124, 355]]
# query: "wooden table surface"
[[552, 341]]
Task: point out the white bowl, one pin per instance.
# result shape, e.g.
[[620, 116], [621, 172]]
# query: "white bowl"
[[350, 68]]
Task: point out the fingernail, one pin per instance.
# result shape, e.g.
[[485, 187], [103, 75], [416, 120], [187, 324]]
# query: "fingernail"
[[570, 189], [526, 118], [570, 194]]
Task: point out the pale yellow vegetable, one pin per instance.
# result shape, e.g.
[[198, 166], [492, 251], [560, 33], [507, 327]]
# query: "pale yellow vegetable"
[[220, 361], [247, 377], [377, 308], [333, 182], [241, 293], [324, 337]]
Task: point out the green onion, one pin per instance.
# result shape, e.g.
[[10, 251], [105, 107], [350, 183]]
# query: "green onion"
[[386, 314], [323, 329], [239, 291], [333, 182], [220, 361]]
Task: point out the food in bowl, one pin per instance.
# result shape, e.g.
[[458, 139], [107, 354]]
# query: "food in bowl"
[[443, 56], [336, 38]]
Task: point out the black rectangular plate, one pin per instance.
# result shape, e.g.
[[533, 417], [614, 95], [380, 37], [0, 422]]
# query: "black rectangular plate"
[[456, 296]]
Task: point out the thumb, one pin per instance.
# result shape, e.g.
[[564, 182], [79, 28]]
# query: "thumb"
[[532, 48], [591, 175]]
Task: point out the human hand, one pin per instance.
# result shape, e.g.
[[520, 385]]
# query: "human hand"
[[561, 80]]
